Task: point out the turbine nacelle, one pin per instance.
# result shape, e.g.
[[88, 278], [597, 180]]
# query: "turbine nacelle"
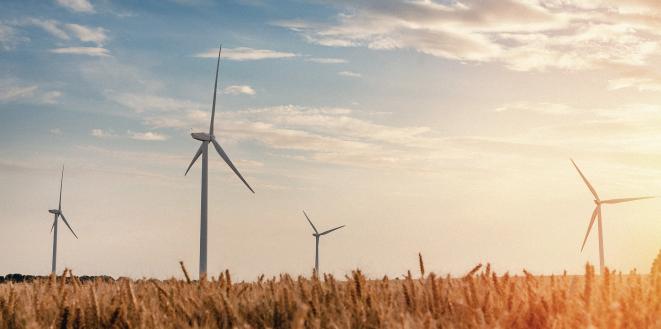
[[54, 211], [204, 137]]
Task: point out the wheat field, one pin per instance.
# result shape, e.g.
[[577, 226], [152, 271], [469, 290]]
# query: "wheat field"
[[479, 299]]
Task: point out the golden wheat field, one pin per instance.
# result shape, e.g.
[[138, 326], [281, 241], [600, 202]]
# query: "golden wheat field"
[[480, 299]]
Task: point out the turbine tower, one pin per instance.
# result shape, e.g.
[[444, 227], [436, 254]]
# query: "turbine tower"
[[57, 213], [207, 138], [597, 214], [316, 235]]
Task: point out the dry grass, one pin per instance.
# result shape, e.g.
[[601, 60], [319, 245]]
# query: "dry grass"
[[480, 299]]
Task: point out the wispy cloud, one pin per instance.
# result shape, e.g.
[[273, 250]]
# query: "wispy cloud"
[[541, 107], [51, 97], [324, 60], [55, 131], [64, 31], [147, 136], [640, 84], [87, 51], [10, 93], [350, 74], [246, 54], [50, 26], [522, 35], [80, 6], [239, 89], [193, 2], [151, 103], [88, 34], [331, 135], [9, 37], [14, 92], [142, 136], [102, 134]]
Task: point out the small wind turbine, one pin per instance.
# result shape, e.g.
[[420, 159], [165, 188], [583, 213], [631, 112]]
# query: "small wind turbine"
[[597, 214], [316, 235], [57, 213], [204, 151]]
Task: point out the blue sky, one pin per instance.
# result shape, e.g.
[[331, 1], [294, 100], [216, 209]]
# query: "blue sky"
[[440, 127]]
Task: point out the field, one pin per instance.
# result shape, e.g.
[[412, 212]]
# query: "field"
[[480, 299]]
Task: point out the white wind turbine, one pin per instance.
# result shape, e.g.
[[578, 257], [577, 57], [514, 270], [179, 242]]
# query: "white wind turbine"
[[207, 138], [316, 235], [597, 214], [57, 213]]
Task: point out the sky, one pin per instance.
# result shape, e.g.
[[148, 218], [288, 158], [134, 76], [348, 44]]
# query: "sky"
[[439, 127]]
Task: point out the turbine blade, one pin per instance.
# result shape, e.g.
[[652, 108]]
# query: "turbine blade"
[[215, 88], [594, 215], [586, 181], [52, 227], [70, 229], [197, 155], [59, 207], [613, 201], [229, 162], [331, 230], [309, 221]]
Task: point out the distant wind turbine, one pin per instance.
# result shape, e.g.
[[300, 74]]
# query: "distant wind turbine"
[[316, 235], [204, 151], [597, 214], [57, 213]]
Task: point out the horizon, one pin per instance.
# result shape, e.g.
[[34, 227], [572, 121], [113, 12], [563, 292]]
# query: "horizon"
[[440, 128]]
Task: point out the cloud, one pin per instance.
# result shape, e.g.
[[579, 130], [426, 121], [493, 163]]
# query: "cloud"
[[147, 136], [11, 91], [238, 90], [143, 136], [329, 135], [350, 74], [88, 34], [88, 51], [246, 54], [640, 84], [102, 134], [521, 35], [193, 2], [79, 6], [51, 97], [50, 26], [321, 60], [546, 108], [9, 37], [150, 103], [55, 131], [59, 30], [62, 31]]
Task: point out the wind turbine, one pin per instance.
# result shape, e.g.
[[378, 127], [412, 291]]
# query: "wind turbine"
[[207, 138], [57, 213], [316, 235], [597, 214]]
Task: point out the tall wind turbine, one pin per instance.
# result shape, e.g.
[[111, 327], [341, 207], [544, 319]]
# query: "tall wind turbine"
[[316, 235], [57, 213], [207, 138], [597, 214]]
